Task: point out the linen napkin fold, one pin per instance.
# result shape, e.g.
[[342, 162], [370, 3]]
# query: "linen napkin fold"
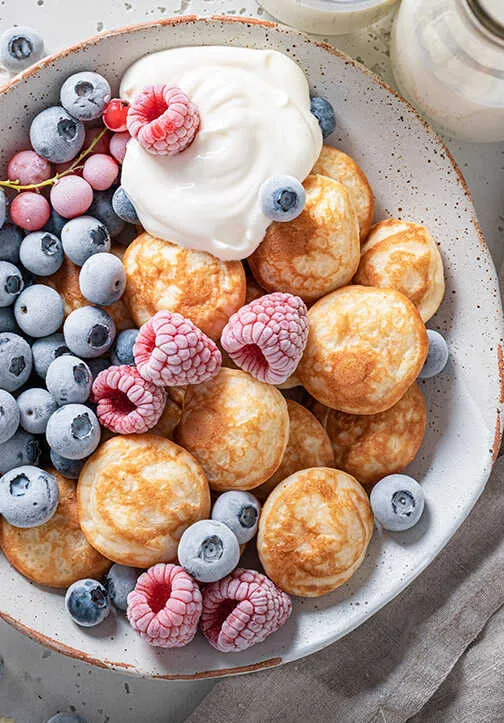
[[389, 668]]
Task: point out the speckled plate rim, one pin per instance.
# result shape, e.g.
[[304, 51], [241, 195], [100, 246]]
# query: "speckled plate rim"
[[105, 663]]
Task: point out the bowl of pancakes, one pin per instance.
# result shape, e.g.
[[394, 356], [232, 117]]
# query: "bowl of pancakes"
[[388, 241]]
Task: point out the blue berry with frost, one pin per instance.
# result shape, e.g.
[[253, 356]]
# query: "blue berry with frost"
[[89, 332], [39, 310], [98, 364], [437, 356], [41, 253], [20, 47], [55, 223], [102, 279], [69, 380], [10, 241], [84, 236], [11, 283], [36, 406], [397, 502], [29, 496], [15, 361], [87, 602], [3, 207], [84, 95], [239, 511], [8, 320], [324, 113], [46, 350], [282, 198], [73, 431], [21, 449], [123, 207], [120, 581], [69, 468], [9, 416], [56, 135], [102, 209], [123, 349], [208, 550]]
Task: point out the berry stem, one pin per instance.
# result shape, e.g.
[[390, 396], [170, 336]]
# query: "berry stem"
[[16, 186]]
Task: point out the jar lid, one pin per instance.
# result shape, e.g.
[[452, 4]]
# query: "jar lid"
[[490, 13]]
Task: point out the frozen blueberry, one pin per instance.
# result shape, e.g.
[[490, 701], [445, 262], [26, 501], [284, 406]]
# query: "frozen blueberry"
[[11, 283], [9, 416], [21, 448], [123, 349], [69, 380], [46, 350], [240, 512], [15, 361], [73, 431], [89, 332], [123, 206], [324, 113], [98, 365], [20, 47], [3, 207], [29, 496], [66, 718], [102, 209], [84, 95], [282, 198], [208, 550], [70, 468], [397, 502], [8, 320], [55, 135], [41, 253], [87, 602], [10, 240], [39, 310], [120, 581], [102, 279], [36, 406], [437, 357], [55, 223], [84, 236]]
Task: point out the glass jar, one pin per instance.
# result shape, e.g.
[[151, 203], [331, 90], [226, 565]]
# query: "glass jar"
[[328, 17], [448, 60]]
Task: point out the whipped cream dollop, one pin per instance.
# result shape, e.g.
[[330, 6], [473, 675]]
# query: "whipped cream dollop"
[[255, 122]]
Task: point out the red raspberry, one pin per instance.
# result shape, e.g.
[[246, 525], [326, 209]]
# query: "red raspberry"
[[163, 119], [115, 115], [165, 606], [241, 610], [126, 403], [267, 337], [171, 351]]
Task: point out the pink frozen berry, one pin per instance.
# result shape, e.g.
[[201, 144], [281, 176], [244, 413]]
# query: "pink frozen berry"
[[71, 196], [241, 610], [165, 606], [102, 146], [30, 211], [163, 119], [28, 167], [118, 144], [171, 351], [126, 403], [267, 337], [100, 171]]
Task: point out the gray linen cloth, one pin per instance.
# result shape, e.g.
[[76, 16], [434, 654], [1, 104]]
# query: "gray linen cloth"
[[408, 662]]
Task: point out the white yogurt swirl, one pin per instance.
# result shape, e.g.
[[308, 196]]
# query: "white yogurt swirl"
[[255, 123]]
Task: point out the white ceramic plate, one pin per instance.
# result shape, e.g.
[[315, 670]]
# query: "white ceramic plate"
[[413, 177]]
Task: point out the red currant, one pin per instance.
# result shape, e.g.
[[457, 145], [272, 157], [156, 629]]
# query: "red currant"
[[114, 115]]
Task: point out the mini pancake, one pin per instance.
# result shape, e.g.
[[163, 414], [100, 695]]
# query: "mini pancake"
[[137, 494], [366, 347], [56, 553], [318, 251], [308, 446], [342, 168], [172, 412], [164, 276], [66, 282], [314, 530], [403, 255], [236, 427], [372, 446]]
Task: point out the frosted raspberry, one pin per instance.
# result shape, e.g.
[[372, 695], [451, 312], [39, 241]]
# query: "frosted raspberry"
[[171, 351], [163, 119], [267, 337], [126, 403], [165, 606], [241, 610]]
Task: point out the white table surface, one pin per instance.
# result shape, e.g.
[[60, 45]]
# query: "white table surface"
[[37, 682]]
